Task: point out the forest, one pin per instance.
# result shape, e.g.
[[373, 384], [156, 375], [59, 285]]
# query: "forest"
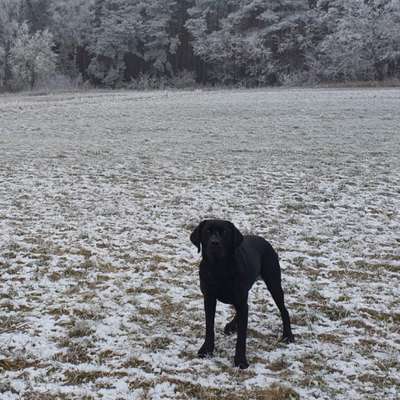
[[179, 43]]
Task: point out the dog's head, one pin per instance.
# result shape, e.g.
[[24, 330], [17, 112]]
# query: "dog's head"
[[217, 238]]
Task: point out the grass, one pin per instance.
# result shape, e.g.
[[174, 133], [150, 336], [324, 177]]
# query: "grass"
[[76, 353], [17, 364], [99, 287], [189, 390]]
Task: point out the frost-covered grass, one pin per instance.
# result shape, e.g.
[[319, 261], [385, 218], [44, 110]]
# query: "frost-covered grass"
[[99, 295]]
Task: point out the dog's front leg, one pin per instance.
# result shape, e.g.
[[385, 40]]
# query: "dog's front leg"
[[207, 349], [242, 317]]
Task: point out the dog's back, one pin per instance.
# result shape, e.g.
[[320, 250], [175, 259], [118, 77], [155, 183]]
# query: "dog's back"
[[254, 257]]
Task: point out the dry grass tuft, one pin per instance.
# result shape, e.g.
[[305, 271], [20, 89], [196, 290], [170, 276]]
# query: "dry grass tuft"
[[76, 377], [80, 329], [17, 364]]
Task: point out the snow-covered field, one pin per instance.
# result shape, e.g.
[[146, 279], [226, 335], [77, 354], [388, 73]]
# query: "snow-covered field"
[[99, 294]]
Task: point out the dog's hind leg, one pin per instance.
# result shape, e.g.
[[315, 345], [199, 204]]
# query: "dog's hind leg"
[[231, 327], [242, 310], [271, 274]]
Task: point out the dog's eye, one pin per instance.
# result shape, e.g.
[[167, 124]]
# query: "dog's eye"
[[224, 232]]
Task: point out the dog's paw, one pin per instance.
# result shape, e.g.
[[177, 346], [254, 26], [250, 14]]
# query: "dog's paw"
[[205, 351], [241, 362], [287, 338], [230, 327]]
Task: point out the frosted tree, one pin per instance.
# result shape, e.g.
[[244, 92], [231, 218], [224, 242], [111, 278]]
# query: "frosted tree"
[[240, 42], [31, 57], [70, 25], [36, 13], [157, 42], [205, 26], [285, 34], [180, 47], [9, 22], [391, 32], [132, 37], [362, 41], [116, 34], [258, 41]]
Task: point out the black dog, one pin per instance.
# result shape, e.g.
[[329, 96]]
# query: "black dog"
[[230, 265]]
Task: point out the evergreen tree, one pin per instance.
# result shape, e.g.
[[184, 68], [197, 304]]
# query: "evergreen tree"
[[362, 40], [181, 52], [36, 13], [116, 36], [255, 41], [70, 25], [130, 38]]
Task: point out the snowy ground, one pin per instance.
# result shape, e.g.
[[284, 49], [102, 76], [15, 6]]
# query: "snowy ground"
[[99, 295]]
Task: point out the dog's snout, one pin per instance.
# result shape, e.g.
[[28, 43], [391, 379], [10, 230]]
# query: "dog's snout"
[[215, 242]]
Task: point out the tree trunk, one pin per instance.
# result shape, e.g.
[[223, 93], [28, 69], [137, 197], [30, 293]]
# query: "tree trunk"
[[379, 71], [7, 68], [32, 74]]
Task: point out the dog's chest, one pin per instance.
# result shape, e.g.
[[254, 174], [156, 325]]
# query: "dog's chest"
[[226, 293], [221, 285]]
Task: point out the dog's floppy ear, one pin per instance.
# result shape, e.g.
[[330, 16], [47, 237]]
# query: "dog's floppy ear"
[[236, 235], [195, 237]]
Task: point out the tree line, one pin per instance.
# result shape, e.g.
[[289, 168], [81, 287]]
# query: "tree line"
[[134, 43]]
